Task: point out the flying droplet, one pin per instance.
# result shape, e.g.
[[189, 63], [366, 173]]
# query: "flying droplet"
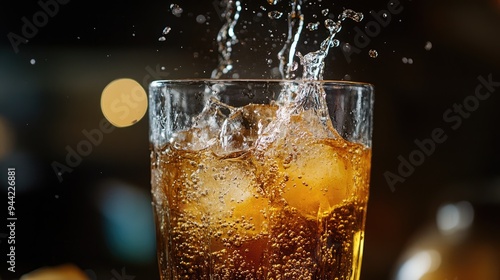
[[176, 10], [373, 53], [162, 39], [273, 2], [201, 19], [32, 61], [428, 46], [166, 30], [357, 17], [346, 48], [312, 26], [407, 60], [333, 26], [325, 12], [275, 14]]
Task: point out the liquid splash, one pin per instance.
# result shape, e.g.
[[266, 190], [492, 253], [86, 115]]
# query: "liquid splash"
[[313, 63], [227, 38], [288, 56]]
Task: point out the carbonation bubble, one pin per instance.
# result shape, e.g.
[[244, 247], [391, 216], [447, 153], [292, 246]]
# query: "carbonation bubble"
[[373, 53]]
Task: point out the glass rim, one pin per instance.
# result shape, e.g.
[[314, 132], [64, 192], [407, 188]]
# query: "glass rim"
[[208, 80]]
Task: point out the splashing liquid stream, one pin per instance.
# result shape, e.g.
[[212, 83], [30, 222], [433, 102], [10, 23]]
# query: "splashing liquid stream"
[[227, 38]]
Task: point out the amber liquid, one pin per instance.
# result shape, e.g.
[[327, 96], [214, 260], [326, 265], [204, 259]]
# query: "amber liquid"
[[294, 209]]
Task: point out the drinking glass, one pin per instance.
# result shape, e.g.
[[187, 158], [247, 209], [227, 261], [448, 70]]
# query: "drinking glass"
[[260, 179]]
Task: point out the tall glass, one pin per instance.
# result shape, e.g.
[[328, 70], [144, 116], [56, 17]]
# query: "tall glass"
[[260, 179]]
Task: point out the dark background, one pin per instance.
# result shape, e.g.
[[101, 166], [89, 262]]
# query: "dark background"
[[98, 217]]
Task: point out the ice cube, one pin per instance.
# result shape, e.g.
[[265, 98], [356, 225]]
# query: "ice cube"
[[206, 128], [318, 176], [241, 129], [227, 196]]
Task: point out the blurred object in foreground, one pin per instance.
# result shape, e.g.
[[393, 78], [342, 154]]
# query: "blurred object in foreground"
[[62, 272], [462, 243]]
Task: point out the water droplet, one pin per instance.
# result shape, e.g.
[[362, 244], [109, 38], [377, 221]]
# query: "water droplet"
[[384, 15], [325, 12], [162, 39], [176, 10], [357, 17], [312, 26], [428, 46], [373, 53], [273, 2], [274, 14], [347, 77], [332, 26], [201, 19], [166, 30], [407, 60], [32, 61], [335, 43], [346, 47]]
